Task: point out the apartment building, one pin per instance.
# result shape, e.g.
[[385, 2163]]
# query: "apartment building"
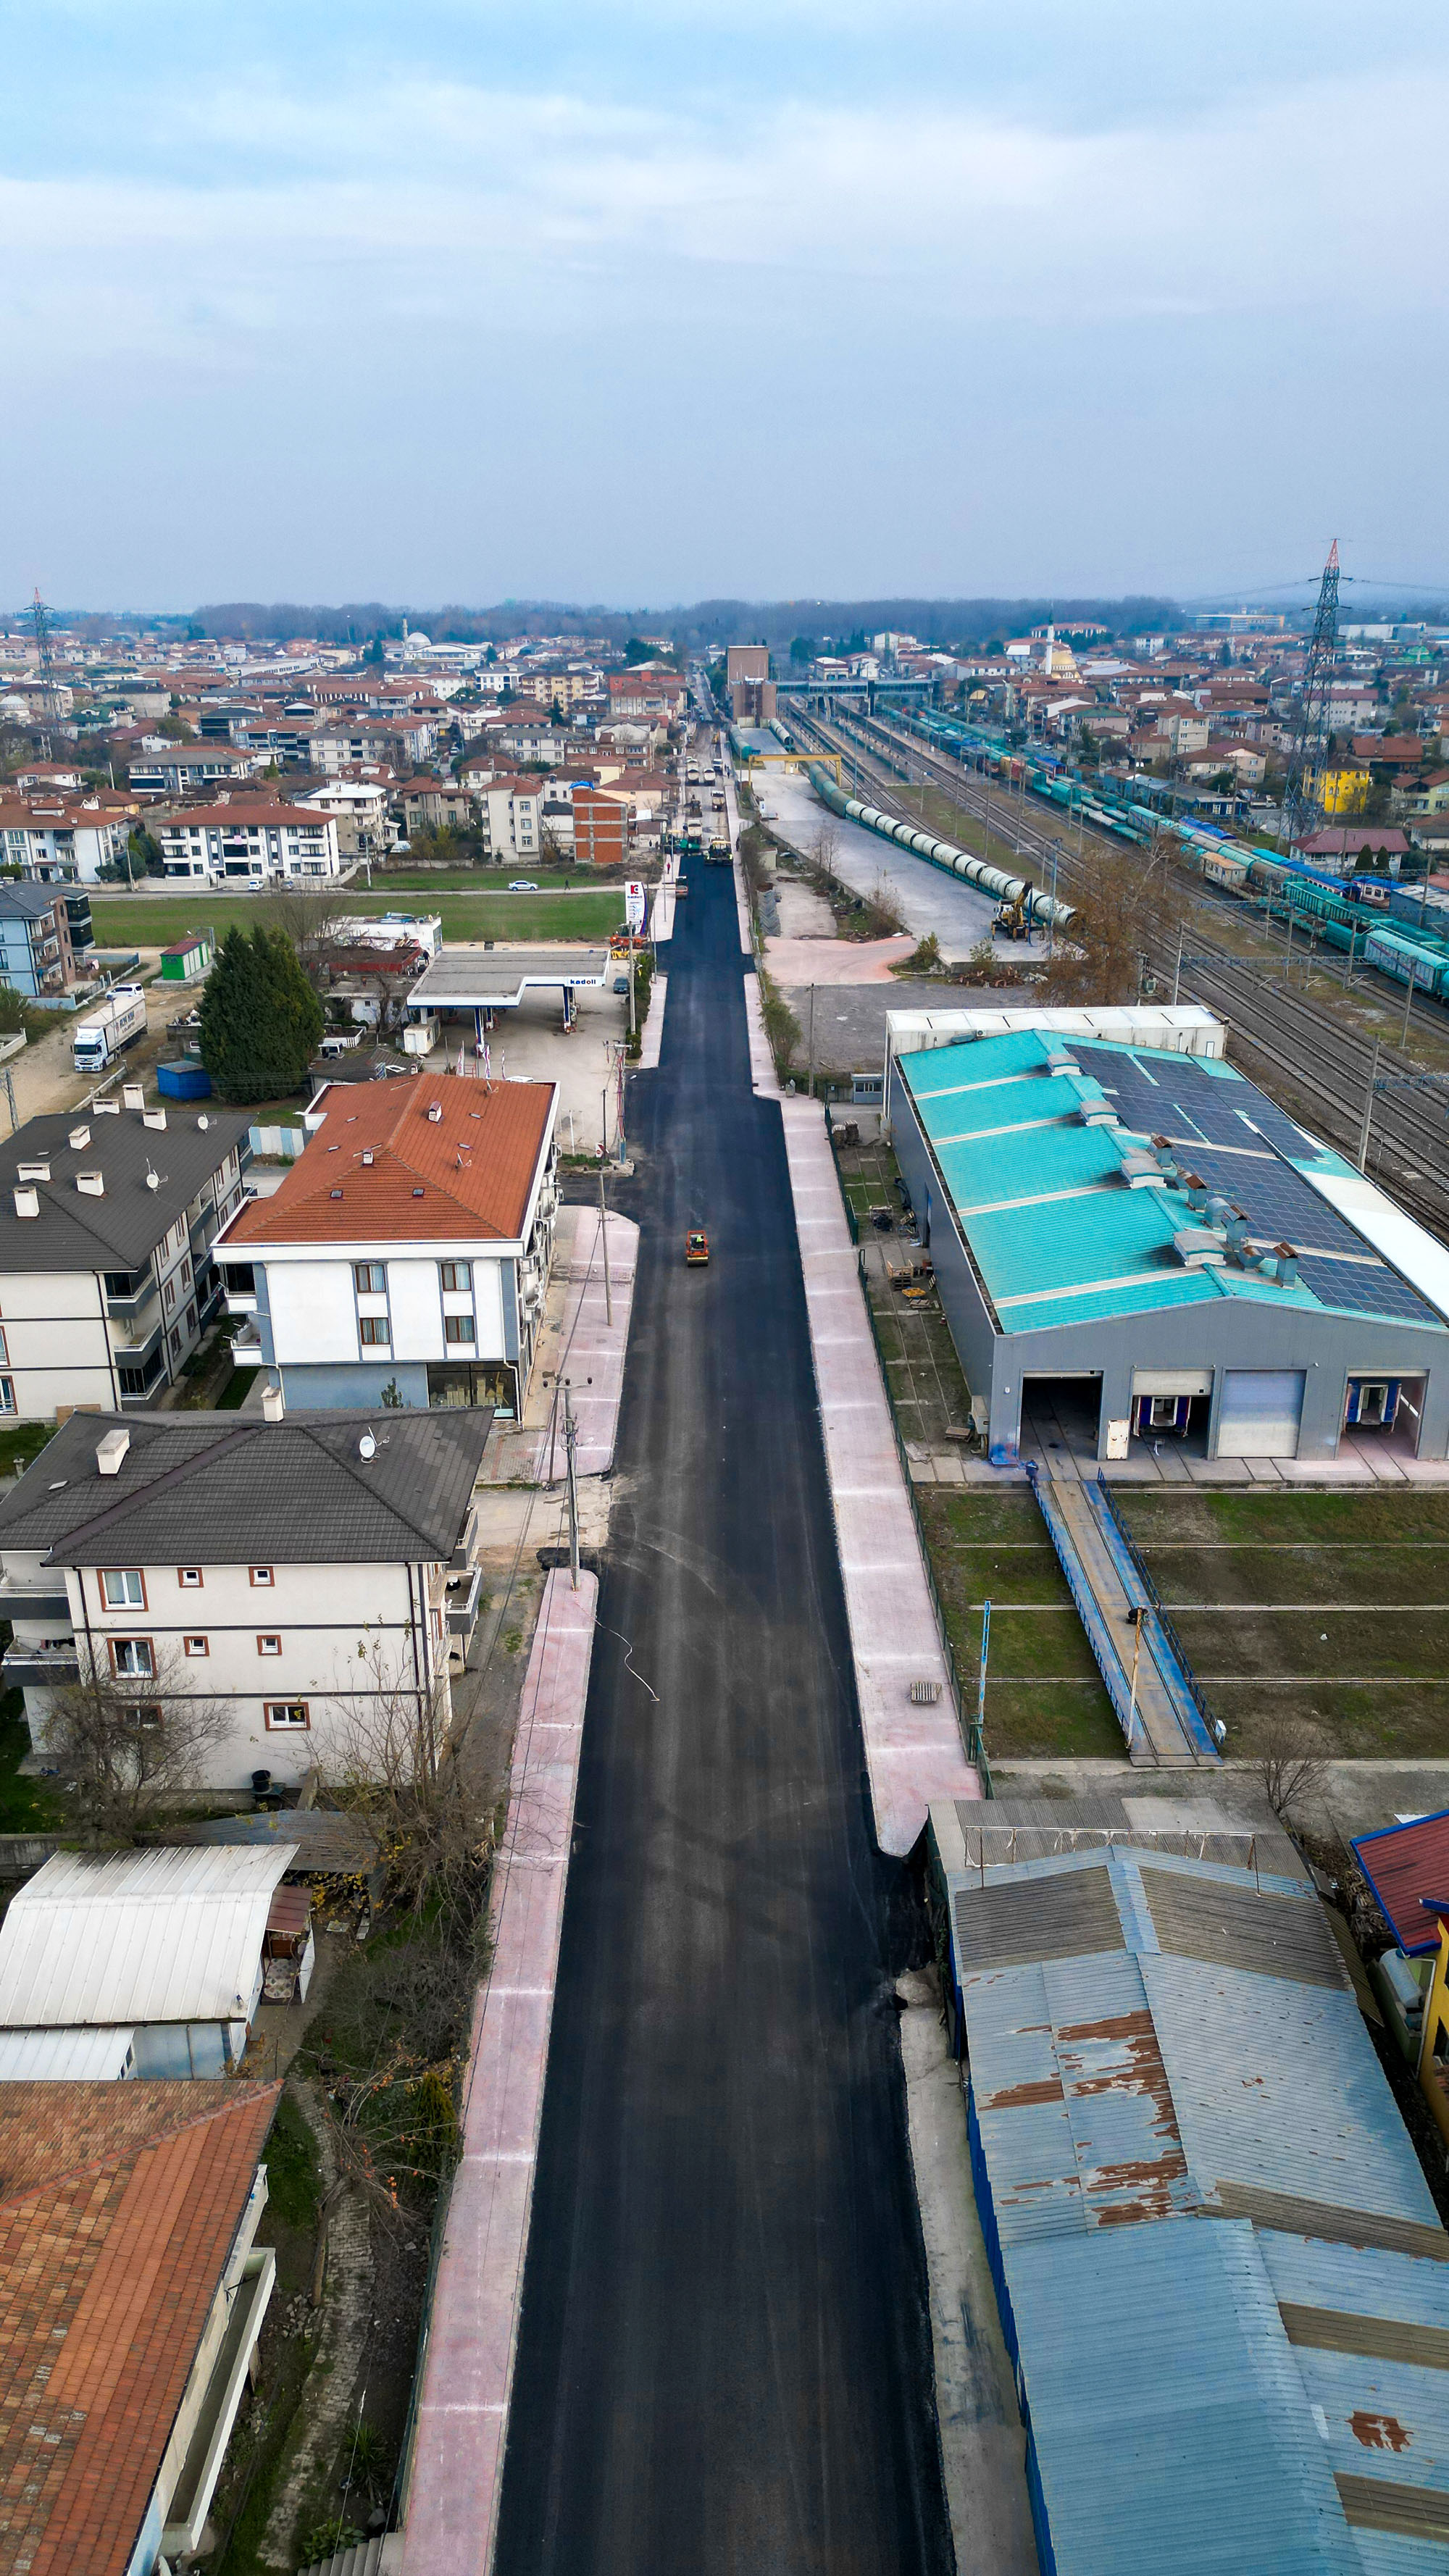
[[406, 1255], [65, 837], [601, 825], [250, 841], [401, 740], [306, 1577], [35, 950], [186, 768], [510, 814], [107, 1224]]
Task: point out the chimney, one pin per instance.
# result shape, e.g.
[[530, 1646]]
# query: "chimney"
[[1236, 1229], [79, 1138], [435, 1112], [153, 1117], [1167, 1160], [272, 1406], [1285, 1265], [111, 1451], [92, 1185], [27, 1202], [133, 1095]]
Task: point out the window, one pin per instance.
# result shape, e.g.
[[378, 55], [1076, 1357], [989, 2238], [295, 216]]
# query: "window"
[[455, 1276], [4, 1354], [373, 1329], [259, 1576], [7, 1395], [370, 1278], [125, 1590], [168, 1295], [176, 1343], [284, 1713], [197, 1646], [269, 1645], [132, 1655], [189, 1577], [458, 1328]]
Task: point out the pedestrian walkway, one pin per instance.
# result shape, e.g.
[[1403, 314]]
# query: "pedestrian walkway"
[[584, 1337], [467, 2370], [913, 1752], [1159, 1718], [651, 1036]]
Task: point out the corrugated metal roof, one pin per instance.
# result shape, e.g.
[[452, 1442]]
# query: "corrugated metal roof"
[[1404, 1863], [137, 1937], [94, 2055], [1167, 2415]]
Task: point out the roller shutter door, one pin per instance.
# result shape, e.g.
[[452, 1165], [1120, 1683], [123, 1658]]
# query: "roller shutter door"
[[1261, 1411]]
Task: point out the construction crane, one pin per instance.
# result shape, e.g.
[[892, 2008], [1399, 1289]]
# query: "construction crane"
[[1303, 790], [50, 703]]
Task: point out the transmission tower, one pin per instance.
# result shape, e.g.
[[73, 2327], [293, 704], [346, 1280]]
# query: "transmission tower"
[[1303, 790], [50, 705]]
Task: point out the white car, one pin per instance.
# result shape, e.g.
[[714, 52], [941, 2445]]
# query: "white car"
[[522, 885]]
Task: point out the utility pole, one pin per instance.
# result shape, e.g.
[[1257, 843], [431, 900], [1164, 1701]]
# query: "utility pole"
[[604, 1247], [1177, 969], [812, 1041], [571, 1483], [1408, 1008], [981, 1680], [1368, 1110], [1135, 1614]]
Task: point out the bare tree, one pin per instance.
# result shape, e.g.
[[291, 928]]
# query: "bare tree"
[[130, 1744], [1293, 1763], [825, 847], [391, 1759], [310, 918]]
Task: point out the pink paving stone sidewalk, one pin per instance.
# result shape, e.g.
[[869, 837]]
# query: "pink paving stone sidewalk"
[[913, 1754], [467, 2378], [580, 1341]]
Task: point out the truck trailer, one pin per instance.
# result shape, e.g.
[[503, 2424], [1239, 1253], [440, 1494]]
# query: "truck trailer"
[[98, 1040]]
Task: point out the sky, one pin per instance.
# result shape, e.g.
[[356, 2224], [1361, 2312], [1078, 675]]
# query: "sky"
[[648, 302]]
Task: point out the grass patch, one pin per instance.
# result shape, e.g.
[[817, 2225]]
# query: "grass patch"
[[1044, 1694], [1375, 1682], [26, 1807], [151, 922], [236, 1390], [294, 2177]]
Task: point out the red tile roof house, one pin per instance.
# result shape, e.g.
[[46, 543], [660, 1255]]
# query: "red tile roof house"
[[409, 1247], [132, 2294]]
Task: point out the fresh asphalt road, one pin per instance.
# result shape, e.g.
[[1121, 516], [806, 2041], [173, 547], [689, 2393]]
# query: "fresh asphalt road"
[[724, 2358]]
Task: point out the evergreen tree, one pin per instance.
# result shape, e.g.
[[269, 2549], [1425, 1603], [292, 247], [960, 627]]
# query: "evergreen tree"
[[261, 1022]]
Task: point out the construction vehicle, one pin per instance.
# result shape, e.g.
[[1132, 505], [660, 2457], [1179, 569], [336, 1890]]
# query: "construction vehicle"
[[696, 1247], [1014, 917]]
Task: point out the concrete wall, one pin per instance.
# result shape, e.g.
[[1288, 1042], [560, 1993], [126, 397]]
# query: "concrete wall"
[[57, 1342]]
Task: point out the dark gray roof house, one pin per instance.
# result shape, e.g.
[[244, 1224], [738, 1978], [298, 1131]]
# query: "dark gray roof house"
[[107, 1219]]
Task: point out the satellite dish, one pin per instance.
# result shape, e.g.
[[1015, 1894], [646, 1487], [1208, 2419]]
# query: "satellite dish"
[[367, 1446]]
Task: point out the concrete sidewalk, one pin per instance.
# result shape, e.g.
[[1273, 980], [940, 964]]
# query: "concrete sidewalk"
[[472, 2334], [579, 1342], [651, 1036], [913, 1754]]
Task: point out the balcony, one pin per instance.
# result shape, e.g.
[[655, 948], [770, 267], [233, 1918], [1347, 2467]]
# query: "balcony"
[[124, 1306], [34, 1601], [463, 1596], [39, 1667]]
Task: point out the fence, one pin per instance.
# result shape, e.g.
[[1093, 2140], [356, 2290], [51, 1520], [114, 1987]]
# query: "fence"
[[969, 1730]]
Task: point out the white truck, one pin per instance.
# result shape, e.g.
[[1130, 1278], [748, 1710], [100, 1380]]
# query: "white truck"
[[120, 1020]]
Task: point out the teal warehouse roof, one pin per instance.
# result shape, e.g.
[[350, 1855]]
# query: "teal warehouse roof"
[[1092, 1179]]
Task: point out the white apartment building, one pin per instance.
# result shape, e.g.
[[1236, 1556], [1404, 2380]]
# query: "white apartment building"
[[510, 812], [359, 808], [250, 841], [51, 837], [301, 1582], [402, 740], [107, 1225], [405, 1257]]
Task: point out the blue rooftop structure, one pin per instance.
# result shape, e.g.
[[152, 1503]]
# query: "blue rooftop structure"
[[1222, 2277], [1101, 1211]]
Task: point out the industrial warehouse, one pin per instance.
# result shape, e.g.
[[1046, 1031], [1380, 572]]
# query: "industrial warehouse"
[[1131, 1241]]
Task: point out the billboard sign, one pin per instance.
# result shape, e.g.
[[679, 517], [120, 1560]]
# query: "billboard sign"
[[635, 901]]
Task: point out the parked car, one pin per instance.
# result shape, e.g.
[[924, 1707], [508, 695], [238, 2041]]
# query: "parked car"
[[522, 885]]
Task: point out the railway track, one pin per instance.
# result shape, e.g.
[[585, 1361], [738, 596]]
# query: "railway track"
[[1319, 1069]]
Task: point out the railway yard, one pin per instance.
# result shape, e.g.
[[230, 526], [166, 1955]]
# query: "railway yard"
[[1313, 1038]]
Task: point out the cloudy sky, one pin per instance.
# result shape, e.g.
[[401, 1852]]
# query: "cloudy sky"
[[642, 302]]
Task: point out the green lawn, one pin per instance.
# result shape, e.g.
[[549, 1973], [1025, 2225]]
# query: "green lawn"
[[1321, 1608], [479, 880], [1044, 1695], [153, 922]]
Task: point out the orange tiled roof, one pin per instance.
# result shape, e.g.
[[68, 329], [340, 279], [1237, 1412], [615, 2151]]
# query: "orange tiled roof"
[[118, 2207], [464, 1175]]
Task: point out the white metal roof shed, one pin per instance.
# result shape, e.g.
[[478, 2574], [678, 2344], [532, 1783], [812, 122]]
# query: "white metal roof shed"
[[99, 2055], [137, 1937]]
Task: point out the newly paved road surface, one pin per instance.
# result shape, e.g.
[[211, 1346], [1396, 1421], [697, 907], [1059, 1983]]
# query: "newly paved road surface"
[[724, 2362]]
